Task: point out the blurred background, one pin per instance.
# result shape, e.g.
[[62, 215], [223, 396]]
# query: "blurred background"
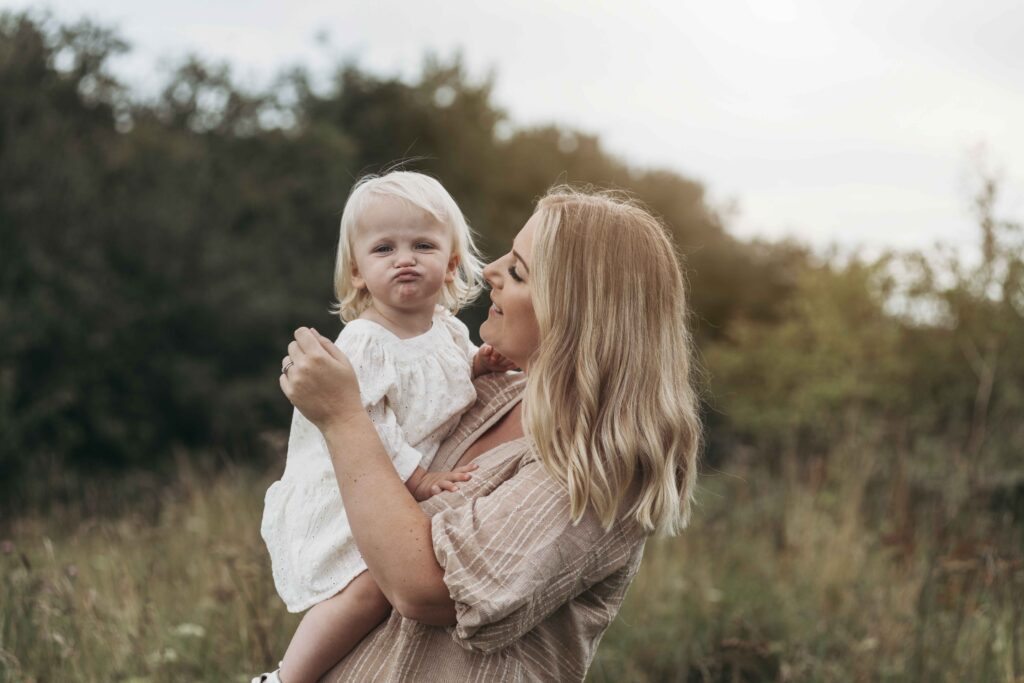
[[844, 188]]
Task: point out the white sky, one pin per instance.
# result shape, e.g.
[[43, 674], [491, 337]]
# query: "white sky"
[[847, 122]]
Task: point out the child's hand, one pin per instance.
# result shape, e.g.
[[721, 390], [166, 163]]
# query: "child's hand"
[[432, 483], [489, 360]]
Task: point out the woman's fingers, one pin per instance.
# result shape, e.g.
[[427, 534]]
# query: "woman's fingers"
[[307, 341], [466, 468], [330, 347]]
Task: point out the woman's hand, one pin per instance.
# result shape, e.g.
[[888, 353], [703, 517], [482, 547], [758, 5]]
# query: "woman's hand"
[[319, 380]]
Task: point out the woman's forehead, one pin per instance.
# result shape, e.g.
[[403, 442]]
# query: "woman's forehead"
[[523, 242]]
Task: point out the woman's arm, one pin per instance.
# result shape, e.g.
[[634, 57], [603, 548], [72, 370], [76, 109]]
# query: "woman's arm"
[[391, 531]]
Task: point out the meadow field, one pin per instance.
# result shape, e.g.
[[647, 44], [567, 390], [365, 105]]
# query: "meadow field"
[[803, 575]]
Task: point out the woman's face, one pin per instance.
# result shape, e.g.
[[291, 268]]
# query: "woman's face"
[[511, 326]]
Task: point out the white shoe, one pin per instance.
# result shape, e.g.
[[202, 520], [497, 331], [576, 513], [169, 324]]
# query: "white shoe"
[[272, 677]]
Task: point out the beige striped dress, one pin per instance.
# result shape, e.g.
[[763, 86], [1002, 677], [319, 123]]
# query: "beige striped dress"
[[533, 592]]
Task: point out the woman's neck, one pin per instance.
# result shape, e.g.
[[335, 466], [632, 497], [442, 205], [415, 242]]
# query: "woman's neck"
[[402, 323]]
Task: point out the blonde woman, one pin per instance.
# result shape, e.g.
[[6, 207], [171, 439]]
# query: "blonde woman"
[[579, 458]]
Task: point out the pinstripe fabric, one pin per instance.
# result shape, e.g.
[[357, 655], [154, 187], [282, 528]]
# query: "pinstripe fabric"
[[533, 592]]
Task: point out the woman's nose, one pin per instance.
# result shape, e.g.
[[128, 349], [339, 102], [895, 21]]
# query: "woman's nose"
[[491, 271]]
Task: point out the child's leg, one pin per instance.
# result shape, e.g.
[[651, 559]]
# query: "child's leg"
[[332, 628]]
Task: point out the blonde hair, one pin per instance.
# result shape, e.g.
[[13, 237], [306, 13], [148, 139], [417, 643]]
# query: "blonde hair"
[[420, 191], [610, 402]]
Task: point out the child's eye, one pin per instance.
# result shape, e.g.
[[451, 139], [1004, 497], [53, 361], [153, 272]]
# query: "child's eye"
[[381, 248], [424, 245], [514, 274]]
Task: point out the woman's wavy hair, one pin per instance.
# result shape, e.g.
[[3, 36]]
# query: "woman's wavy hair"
[[610, 400], [425, 193]]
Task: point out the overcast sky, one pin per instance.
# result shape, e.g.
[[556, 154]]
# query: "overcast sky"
[[848, 122]]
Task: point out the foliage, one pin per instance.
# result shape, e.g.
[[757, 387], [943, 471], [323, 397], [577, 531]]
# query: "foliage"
[[157, 254], [916, 346]]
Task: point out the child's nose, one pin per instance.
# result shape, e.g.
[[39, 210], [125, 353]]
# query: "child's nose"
[[405, 257]]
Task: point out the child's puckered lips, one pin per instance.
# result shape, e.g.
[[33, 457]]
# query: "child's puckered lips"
[[407, 275]]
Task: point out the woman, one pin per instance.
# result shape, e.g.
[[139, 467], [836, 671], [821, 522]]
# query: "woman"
[[580, 458]]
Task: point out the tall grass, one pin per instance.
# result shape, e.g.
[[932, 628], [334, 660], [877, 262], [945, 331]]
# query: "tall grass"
[[181, 593], [811, 573]]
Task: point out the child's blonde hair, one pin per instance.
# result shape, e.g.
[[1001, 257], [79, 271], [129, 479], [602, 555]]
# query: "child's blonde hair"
[[427, 194]]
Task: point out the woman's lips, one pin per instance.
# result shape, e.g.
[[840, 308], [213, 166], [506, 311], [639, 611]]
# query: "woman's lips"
[[495, 309]]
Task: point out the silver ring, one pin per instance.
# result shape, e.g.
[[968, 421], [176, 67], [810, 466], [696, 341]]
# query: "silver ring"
[[284, 370]]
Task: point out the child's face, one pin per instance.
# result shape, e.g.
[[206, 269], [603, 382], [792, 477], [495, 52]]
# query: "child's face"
[[403, 256]]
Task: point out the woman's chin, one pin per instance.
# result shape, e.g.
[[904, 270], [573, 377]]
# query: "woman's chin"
[[487, 331]]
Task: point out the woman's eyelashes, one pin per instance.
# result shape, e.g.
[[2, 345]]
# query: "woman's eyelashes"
[[514, 274]]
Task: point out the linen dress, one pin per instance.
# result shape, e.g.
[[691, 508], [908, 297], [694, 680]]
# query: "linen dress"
[[534, 592], [415, 391]]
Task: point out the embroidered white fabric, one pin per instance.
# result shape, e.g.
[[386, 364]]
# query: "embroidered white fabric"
[[415, 390]]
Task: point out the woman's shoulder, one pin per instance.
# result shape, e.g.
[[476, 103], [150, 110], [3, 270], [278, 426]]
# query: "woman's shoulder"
[[553, 493], [499, 388]]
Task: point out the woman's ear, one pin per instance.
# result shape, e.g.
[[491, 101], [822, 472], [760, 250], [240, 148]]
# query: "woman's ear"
[[453, 265]]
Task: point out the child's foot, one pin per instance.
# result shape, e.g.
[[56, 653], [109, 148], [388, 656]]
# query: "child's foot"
[[272, 677]]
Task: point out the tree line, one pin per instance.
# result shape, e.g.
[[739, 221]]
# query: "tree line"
[[158, 251]]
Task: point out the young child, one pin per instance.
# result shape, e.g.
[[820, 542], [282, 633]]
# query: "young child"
[[406, 260]]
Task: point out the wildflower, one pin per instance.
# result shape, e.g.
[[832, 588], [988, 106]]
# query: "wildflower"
[[167, 655], [187, 630]]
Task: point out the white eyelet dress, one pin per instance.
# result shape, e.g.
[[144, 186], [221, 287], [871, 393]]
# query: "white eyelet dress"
[[415, 390]]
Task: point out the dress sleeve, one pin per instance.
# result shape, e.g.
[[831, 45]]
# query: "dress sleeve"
[[460, 335], [375, 370], [513, 557]]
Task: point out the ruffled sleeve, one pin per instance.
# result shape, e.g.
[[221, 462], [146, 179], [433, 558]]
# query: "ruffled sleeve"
[[367, 350], [460, 335], [513, 557], [375, 369]]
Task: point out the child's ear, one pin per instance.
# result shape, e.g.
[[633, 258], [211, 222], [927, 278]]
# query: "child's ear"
[[357, 280], [453, 265]]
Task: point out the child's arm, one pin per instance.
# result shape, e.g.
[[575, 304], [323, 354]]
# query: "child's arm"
[[488, 360], [423, 484]]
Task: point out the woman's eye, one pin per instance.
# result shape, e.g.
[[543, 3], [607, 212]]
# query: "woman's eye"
[[514, 274]]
